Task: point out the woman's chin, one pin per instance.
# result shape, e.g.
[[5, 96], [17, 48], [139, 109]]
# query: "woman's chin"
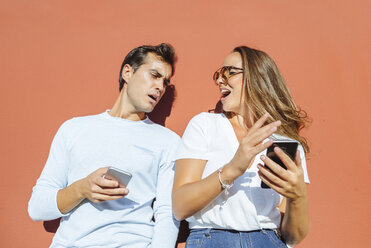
[[227, 108]]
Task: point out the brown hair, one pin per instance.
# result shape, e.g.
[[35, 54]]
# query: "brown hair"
[[136, 57], [265, 90]]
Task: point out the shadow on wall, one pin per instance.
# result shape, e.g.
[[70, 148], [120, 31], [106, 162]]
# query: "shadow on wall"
[[218, 108], [51, 226], [163, 108]]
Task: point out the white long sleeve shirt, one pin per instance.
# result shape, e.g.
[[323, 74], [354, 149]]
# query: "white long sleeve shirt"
[[85, 144]]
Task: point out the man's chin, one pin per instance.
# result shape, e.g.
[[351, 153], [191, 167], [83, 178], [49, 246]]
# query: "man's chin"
[[148, 109]]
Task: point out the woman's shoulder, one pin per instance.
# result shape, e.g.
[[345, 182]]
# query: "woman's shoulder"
[[205, 116], [206, 121]]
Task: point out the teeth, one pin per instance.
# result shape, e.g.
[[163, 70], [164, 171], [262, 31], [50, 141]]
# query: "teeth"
[[224, 91]]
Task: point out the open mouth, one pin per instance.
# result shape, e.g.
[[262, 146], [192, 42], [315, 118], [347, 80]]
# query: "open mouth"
[[225, 93], [153, 97]]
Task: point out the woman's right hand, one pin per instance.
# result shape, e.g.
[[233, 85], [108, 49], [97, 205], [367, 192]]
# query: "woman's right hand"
[[252, 144]]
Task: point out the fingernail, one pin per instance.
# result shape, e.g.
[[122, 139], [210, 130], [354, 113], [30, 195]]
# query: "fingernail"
[[277, 149], [259, 166], [273, 129], [262, 157]]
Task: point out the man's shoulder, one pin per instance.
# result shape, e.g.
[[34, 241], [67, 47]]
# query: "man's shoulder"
[[81, 120], [77, 123]]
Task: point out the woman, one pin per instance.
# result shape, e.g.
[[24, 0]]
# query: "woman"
[[220, 162]]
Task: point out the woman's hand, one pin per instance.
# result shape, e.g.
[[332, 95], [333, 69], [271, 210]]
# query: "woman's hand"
[[252, 143], [290, 183]]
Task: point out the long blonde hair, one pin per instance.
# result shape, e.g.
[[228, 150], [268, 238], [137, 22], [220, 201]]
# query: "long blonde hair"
[[265, 90]]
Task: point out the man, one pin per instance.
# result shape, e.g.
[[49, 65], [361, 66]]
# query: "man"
[[97, 211]]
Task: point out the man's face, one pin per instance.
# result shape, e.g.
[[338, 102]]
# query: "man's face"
[[147, 85]]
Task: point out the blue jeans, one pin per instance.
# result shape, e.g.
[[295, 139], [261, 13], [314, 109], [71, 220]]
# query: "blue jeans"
[[214, 238]]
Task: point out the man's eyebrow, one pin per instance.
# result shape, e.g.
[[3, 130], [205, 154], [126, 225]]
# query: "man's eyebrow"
[[157, 73]]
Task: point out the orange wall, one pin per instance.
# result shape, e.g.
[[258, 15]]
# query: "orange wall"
[[61, 59]]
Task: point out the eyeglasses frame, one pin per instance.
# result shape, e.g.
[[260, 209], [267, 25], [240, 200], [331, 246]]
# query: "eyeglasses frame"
[[221, 72]]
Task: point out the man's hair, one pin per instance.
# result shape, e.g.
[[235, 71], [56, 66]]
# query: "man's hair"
[[136, 57]]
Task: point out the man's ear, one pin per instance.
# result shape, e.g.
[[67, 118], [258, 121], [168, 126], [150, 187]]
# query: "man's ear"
[[127, 72]]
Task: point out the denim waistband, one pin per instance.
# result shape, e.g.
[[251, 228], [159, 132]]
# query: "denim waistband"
[[230, 230], [214, 237], [211, 230]]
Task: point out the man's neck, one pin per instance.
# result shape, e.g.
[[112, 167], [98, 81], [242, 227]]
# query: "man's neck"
[[125, 111]]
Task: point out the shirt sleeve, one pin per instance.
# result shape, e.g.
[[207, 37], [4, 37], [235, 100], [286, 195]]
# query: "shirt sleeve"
[[166, 226], [194, 141], [43, 202]]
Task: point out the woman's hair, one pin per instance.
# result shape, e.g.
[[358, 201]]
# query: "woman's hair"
[[265, 90]]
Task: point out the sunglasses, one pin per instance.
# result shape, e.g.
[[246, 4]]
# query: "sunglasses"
[[226, 72]]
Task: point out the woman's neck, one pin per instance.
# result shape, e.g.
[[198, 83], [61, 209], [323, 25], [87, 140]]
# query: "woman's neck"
[[239, 127]]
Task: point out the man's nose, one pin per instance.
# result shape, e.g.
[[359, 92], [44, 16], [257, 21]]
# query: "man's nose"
[[160, 85]]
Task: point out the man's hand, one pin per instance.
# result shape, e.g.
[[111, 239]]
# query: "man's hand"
[[94, 187], [97, 189]]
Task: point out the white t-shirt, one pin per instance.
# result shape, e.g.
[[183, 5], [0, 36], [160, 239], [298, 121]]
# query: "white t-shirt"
[[248, 206]]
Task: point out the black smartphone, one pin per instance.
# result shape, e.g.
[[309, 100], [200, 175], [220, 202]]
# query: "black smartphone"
[[289, 147], [123, 177]]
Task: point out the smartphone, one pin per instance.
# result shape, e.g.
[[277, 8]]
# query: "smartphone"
[[123, 177], [289, 147]]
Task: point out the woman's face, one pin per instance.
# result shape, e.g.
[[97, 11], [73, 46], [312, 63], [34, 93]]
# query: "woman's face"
[[230, 85]]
